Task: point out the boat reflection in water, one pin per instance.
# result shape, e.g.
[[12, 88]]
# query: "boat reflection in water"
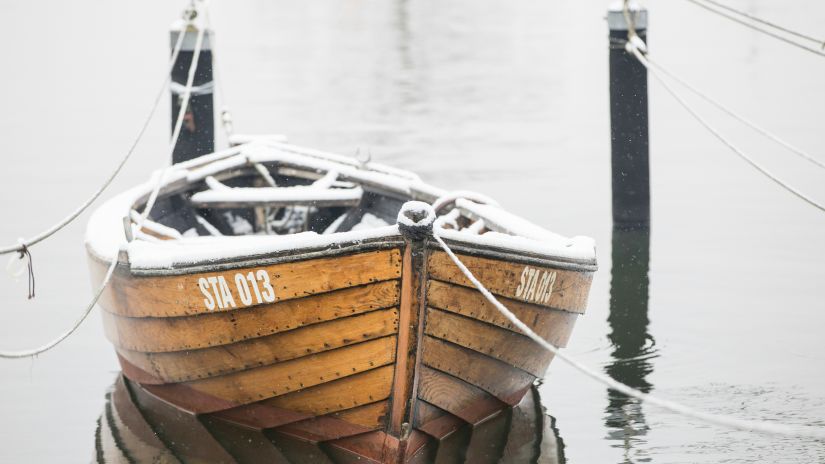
[[137, 427], [633, 346]]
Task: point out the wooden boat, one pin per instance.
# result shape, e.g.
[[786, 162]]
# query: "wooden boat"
[[137, 427], [299, 292]]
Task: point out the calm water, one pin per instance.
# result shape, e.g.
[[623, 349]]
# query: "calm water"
[[720, 308]]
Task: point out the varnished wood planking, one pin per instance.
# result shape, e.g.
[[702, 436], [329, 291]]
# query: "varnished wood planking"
[[375, 447], [456, 396], [180, 295], [355, 421], [553, 325], [569, 291], [512, 348], [355, 390], [161, 334], [265, 382], [181, 366], [372, 416], [504, 381], [412, 292]]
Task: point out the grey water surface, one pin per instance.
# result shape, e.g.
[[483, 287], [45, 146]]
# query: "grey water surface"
[[722, 307]]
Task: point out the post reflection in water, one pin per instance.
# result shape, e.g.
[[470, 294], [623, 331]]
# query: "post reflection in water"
[[633, 346]]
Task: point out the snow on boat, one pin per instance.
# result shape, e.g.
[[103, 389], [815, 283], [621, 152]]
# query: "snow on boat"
[[297, 291]]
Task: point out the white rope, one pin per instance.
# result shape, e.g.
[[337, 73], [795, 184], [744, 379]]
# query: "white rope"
[[817, 433], [643, 60], [71, 217], [198, 90], [786, 30], [801, 153], [758, 29], [226, 115], [41, 349], [187, 93], [160, 177]]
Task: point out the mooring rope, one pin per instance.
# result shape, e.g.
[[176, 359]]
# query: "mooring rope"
[[184, 103], [226, 115], [27, 243], [634, 50], [110, 271], [786, 30], [764, 31], [797, 151], [817, 433]]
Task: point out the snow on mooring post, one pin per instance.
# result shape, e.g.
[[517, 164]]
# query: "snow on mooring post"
[[197, 135], [628, 121]]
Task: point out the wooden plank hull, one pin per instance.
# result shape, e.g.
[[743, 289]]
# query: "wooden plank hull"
[[382, 355]]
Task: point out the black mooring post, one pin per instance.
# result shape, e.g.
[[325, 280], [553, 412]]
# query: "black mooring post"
[[197, 135], [628, 123]]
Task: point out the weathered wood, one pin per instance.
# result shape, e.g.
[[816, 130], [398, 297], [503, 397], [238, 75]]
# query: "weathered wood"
[[372, 415], [554, 288], [456, 396], [180, 366], [442, 426], [512, 348], [355, 421], [412, 292], [181, 295], [370, 448], [355, 390], [504, 381], [553, 325], [265, 382], [161, 334], [426, 412]]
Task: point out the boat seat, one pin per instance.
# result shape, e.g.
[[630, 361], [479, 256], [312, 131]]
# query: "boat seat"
[[250, 197], [320, 194]]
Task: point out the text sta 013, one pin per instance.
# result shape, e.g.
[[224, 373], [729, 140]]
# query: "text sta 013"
[[253, 287]]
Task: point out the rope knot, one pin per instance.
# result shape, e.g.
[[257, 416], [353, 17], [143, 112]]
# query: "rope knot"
[[415, 220], [25, 253]]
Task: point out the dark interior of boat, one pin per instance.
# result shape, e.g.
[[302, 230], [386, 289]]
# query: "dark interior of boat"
[[297, 210]]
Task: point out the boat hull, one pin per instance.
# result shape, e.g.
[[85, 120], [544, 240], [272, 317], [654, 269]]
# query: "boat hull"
[[382, 352]]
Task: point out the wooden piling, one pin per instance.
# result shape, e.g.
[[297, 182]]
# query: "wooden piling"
[[197, 135], [628, 122]]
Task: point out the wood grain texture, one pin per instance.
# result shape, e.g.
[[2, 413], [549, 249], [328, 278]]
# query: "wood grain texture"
[[265, 382], [180, 295], [180, 366], [503, 345], [456, 396], [569, 291], [553, 325], [341, 394], [502, 380], [162, 334]]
